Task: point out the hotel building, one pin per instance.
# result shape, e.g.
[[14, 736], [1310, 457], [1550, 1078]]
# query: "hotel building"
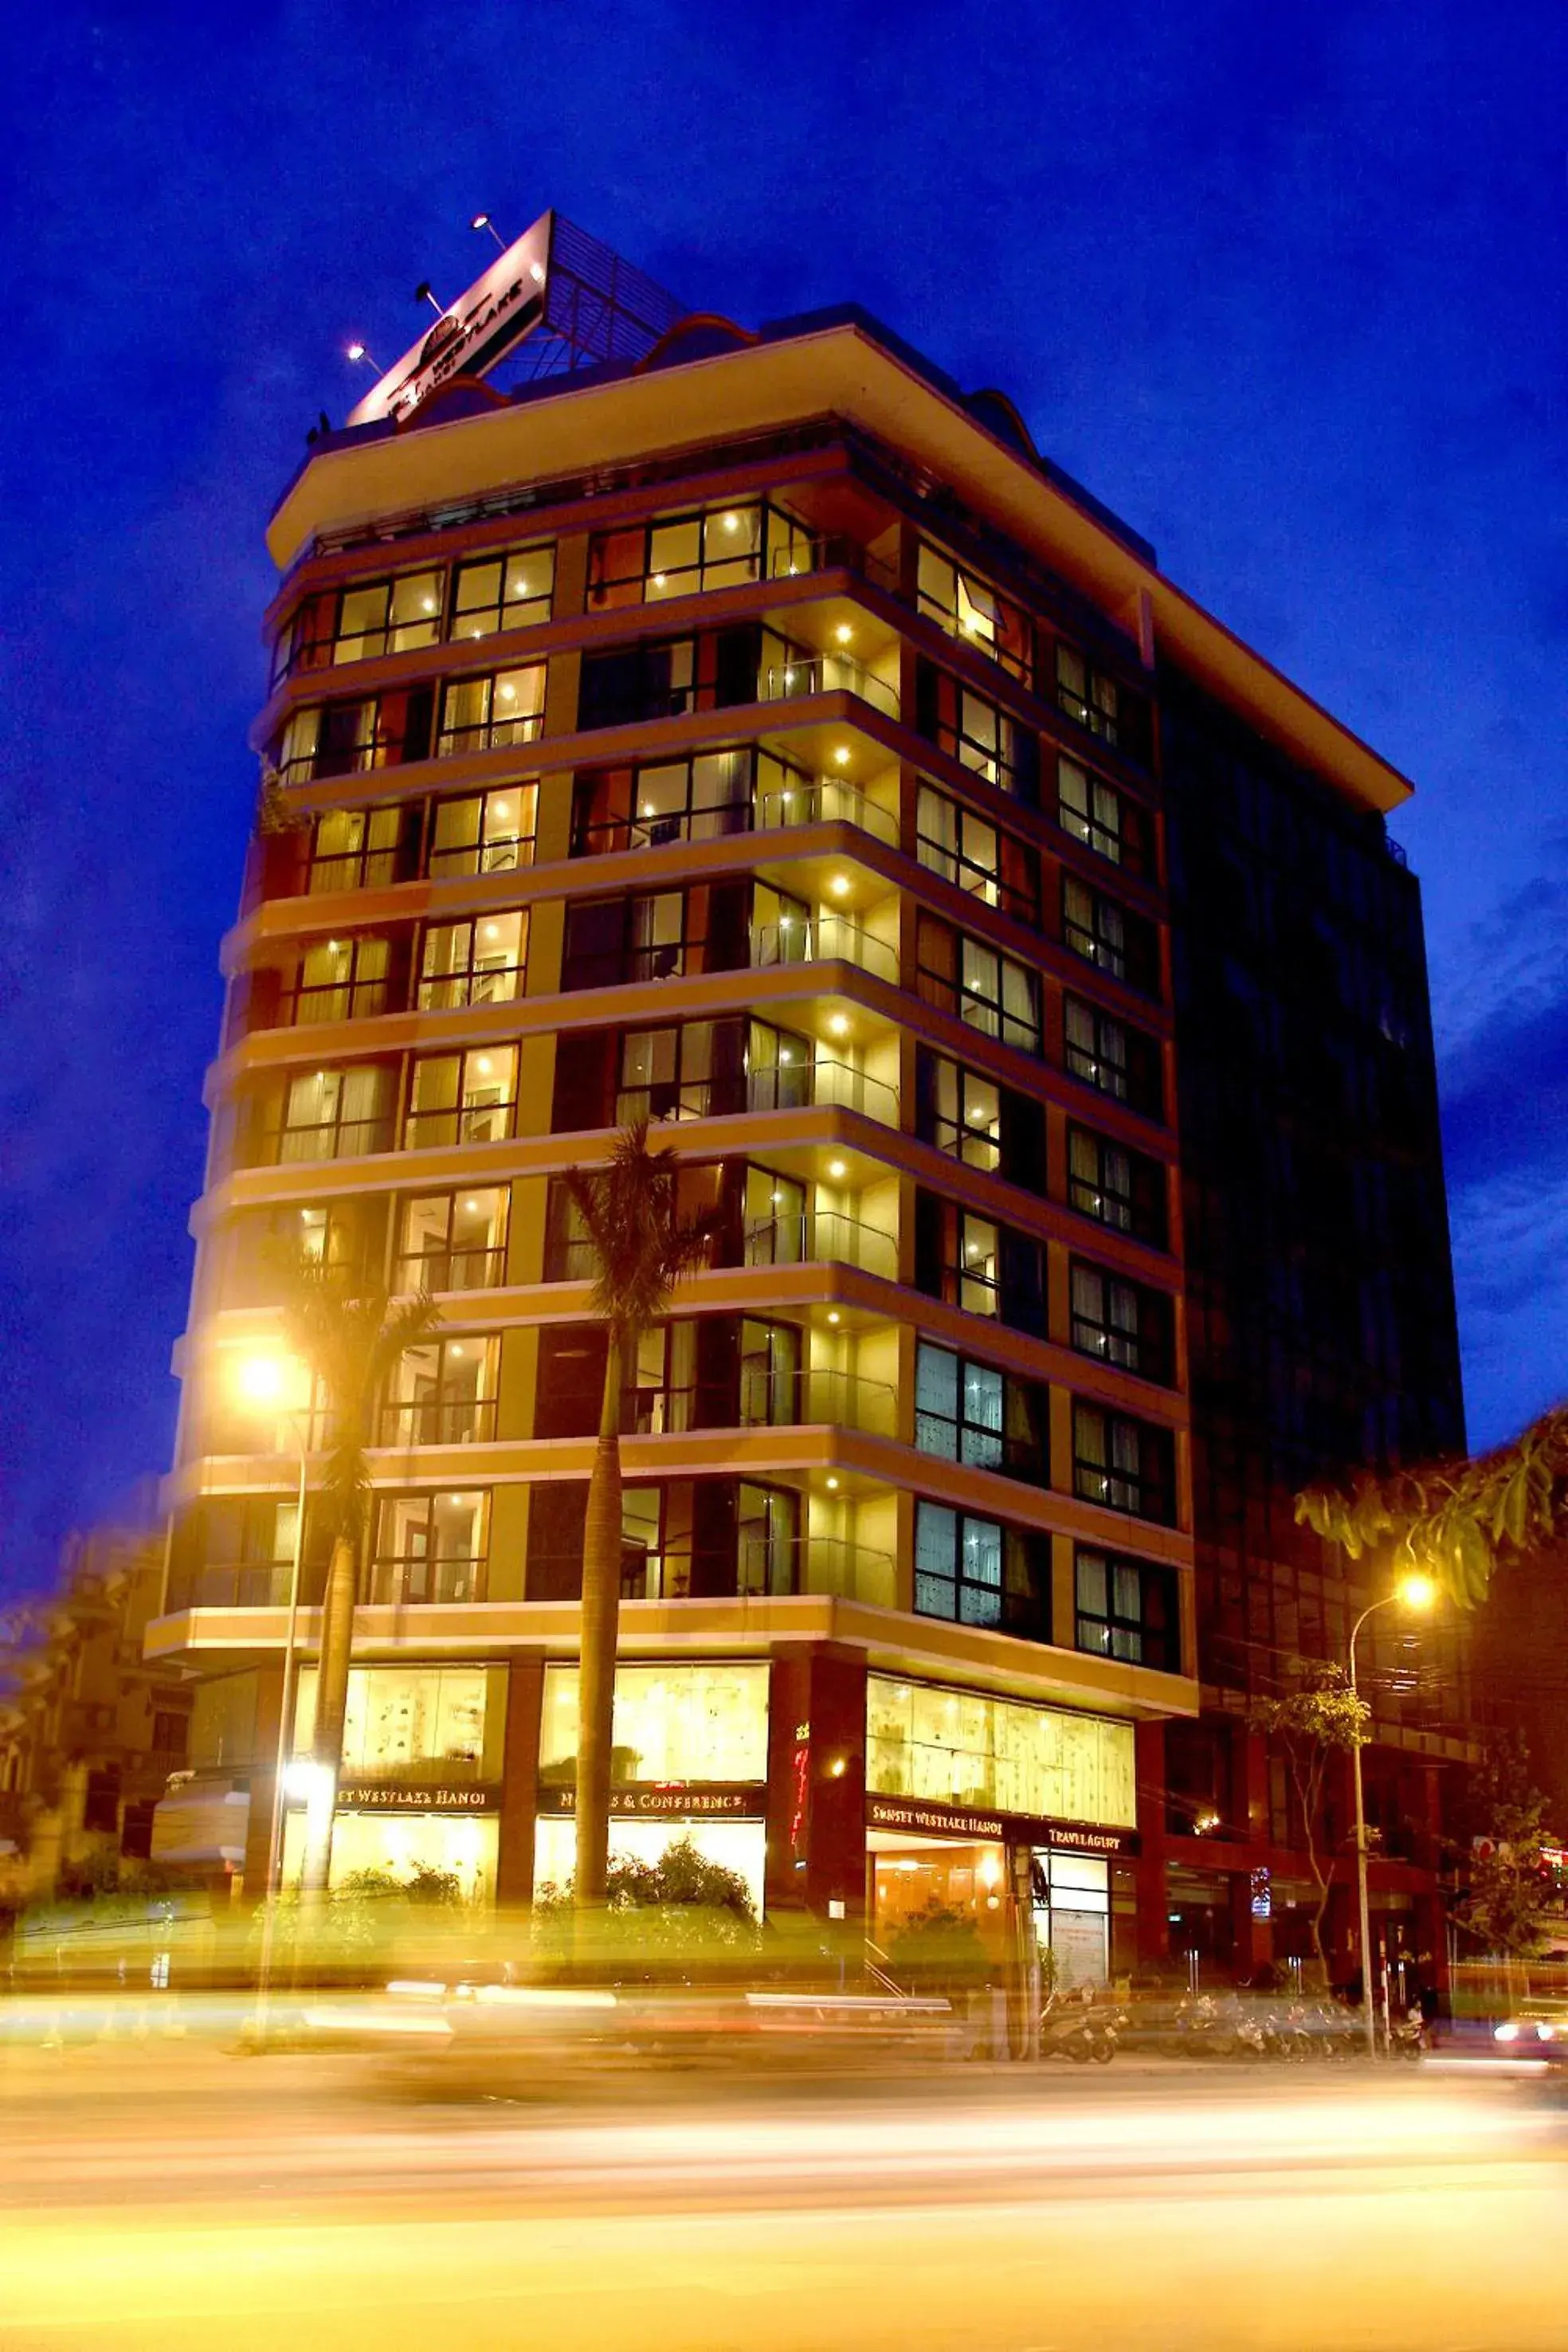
[[753, 733]]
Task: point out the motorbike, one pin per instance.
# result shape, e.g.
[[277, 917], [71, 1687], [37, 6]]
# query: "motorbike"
[[1073, 2026]]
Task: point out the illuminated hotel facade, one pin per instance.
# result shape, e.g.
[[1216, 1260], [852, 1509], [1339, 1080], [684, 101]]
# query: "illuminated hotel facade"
[[752, 734]]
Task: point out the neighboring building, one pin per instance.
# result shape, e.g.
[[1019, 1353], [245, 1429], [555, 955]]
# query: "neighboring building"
[[750, 732], [90, 1731]]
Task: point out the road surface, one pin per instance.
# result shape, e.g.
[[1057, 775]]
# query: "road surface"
[[163, 2195]]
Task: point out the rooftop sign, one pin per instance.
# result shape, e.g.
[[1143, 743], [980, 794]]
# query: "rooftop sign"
[[479, 328]]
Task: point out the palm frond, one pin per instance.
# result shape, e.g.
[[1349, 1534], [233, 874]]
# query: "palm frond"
[[641, 1244]]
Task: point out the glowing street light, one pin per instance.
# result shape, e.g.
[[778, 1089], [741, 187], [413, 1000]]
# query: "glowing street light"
[[360, 356], [483, 220], [263, 1382], [1416, 1592]]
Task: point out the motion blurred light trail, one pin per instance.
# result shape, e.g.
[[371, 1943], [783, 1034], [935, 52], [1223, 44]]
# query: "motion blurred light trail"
[[173, 2197]]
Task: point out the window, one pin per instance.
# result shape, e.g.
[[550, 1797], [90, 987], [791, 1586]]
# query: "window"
[[336, 1114], [988, 992], [478, 963], [333, 1236], [962, 1748], [658, 935], [503, 592], [340, 979], [1120, 1322], [1108, 936], [775, 1224], [670, 1723], [959, 1110], [1115, 1059], [703, 799], [767, 1541], [968, 607], [1103, 819], [430, 1548], [781, 928], [973, 730], [1127, 1609], [958, 1566], [959, 844], [779, 1068], [972, 1572], [342, 738], [461, 1098], [431, 1724], [354, 849], [1093, 698], [357, 624], [443, 1392], [452, 1240], [675, 555], [631, 684], [667, 1073], [234, 1552], [1122, 1463], [979, 1265], [770, 1374], [966, 1411], [484, 833], [1116, 1187], [485, 714]]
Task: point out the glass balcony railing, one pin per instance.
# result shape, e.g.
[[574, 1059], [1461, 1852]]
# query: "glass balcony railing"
[[455, 1421], [847, 1572], [827, 674], [766, 1400], [798, 556], [823, 938], [827, 802], [822, 1236], [248, 1584], [414, 1578], [794, 1086]]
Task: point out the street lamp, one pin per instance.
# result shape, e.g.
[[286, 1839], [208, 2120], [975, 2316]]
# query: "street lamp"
[[262, 1381], [1416, 1592]]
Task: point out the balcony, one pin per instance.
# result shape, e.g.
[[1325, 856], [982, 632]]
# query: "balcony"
[[823, 938], [847, 1572], [827, 674], [416, 1580], [824, 1399], [827, 802], [786, 1087], [451, 1269], [255, 1584], [457, 1420], [833, 553], [822, 1236]]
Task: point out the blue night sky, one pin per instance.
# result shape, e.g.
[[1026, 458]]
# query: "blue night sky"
[[1283, 285]]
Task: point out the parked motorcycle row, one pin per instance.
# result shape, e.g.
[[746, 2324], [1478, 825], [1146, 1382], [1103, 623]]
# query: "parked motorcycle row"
[[1207, 2025]]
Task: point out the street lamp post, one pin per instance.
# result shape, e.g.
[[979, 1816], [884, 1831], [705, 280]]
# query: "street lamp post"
[[263, 1380], [1415, 1592]]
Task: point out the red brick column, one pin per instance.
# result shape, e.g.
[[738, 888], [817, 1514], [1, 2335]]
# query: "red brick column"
[[263, 1772], [519, 1781], [1149, 1871]]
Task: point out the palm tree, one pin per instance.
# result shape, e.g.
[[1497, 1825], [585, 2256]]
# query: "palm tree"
[[1453, 1520], [641, 1246], [353, 1346]]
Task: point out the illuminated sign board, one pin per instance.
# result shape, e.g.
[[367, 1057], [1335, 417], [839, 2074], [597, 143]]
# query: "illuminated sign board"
[[679, 1801], [418, 1797], [479, 328], [921, 1817]]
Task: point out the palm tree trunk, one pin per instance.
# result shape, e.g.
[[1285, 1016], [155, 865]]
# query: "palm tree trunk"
[[331, 1706], [601, 1622]]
